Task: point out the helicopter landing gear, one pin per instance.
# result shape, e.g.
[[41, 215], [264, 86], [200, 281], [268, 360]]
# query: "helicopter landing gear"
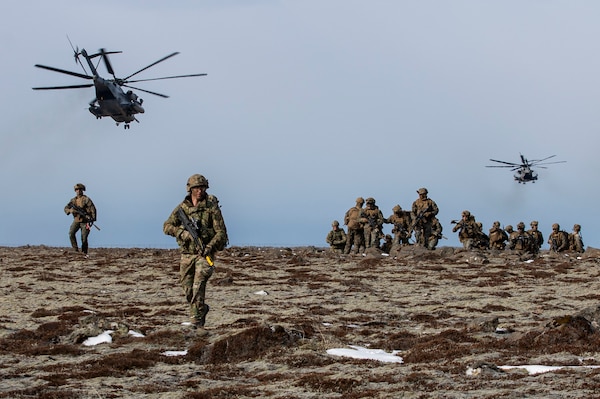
[[126, 126]]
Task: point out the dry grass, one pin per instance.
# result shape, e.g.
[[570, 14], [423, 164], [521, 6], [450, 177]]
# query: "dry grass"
[[427, 305]]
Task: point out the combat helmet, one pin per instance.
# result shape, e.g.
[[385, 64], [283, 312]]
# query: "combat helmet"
[[79, 186], [335, 223], [396, 209], [371, 200], [360, 200], [422, 190], [196, 181], [521, 226]]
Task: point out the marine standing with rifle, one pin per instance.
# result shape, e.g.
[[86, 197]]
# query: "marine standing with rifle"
[[424, 209], [198, 226], [84, 215]]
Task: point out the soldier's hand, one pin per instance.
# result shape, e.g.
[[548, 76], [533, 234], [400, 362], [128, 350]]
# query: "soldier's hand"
[[185, 236], [207, 251]]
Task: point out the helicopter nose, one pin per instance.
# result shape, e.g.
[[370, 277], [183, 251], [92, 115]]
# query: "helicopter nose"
[[138, 108]]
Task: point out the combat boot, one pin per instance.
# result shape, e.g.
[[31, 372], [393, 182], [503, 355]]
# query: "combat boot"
[[199, 321]]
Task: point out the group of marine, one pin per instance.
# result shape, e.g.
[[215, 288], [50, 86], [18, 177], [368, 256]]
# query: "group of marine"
[[365, 230]]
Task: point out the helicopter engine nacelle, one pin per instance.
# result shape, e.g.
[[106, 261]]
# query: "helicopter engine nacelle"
[[137, 108]]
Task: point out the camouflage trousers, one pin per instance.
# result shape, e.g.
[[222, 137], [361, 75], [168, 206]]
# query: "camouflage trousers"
[[372, 237], [423, 234], [194, 273], [75, 227], [356, 239]]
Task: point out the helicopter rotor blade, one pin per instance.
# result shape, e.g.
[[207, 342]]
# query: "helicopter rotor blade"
[[543, 159], [109, 67], [64, 87], [504, 162], [79, 75], [151, 65], [147, 91], [547, 163], [166, 77], [500, 166]]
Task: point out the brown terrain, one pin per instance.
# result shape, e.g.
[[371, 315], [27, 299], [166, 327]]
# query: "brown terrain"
[[455, 316]]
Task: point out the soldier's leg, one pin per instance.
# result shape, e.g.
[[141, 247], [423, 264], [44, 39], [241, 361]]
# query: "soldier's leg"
[[367, 238], [201, 276], [72, 231], [186, 278], [85, 232], [359, 243], [349, 241]]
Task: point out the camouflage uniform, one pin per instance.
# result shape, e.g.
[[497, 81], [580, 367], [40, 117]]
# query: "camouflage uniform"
[[336, 238], [388, 242], [575, 240], [469, 231], [559, 239], [372, 220], [536, 235], [79, 221], [194, 269], [520, 240], [423, 211], [436, 234], [498, 237], [355, 237], [401, 221]]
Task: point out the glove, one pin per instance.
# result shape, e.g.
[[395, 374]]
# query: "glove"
[[207, 251], [185, 236]]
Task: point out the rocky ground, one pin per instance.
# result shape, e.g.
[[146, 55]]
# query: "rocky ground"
[[456, 317]]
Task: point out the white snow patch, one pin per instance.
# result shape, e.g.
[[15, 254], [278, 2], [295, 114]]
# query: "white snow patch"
[[538, 369], [99, 339], [359, 352], [174, 353]]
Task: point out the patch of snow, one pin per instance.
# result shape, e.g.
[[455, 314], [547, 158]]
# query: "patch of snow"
[[174, 353], [99, 339], [538, 369], [359, 352]]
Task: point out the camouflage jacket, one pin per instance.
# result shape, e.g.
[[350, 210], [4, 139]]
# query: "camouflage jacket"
[[497, 238], [374, 218], [336, 238], [520, 241], [401, 222], [468, 229], [576, 242], [423, 211], [537, 236], [207, 217], [84, 202], [351, 218], [558, 241]]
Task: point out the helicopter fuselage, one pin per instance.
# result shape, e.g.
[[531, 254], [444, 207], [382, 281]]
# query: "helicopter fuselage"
[[526, 174], [113, 102]]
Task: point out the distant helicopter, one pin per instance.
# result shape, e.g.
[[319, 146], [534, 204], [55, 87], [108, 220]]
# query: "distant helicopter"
[[110, 98], [525, 173]]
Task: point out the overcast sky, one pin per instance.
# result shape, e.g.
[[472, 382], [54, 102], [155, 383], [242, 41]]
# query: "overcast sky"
[[306, 106]]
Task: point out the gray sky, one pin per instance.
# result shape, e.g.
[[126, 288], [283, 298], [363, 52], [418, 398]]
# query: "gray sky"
[[307, 105]]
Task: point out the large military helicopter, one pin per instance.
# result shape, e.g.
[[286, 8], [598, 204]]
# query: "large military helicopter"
[[525, 173], [111, 100]]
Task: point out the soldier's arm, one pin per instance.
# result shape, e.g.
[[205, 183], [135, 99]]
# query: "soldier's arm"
[[172, 226]]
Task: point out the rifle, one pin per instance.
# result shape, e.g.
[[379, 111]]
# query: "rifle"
[[81, 212], [420, 216], [192, 228], [554, 245]]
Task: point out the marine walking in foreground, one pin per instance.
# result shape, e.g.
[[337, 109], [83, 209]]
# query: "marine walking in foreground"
[[198, 226]]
